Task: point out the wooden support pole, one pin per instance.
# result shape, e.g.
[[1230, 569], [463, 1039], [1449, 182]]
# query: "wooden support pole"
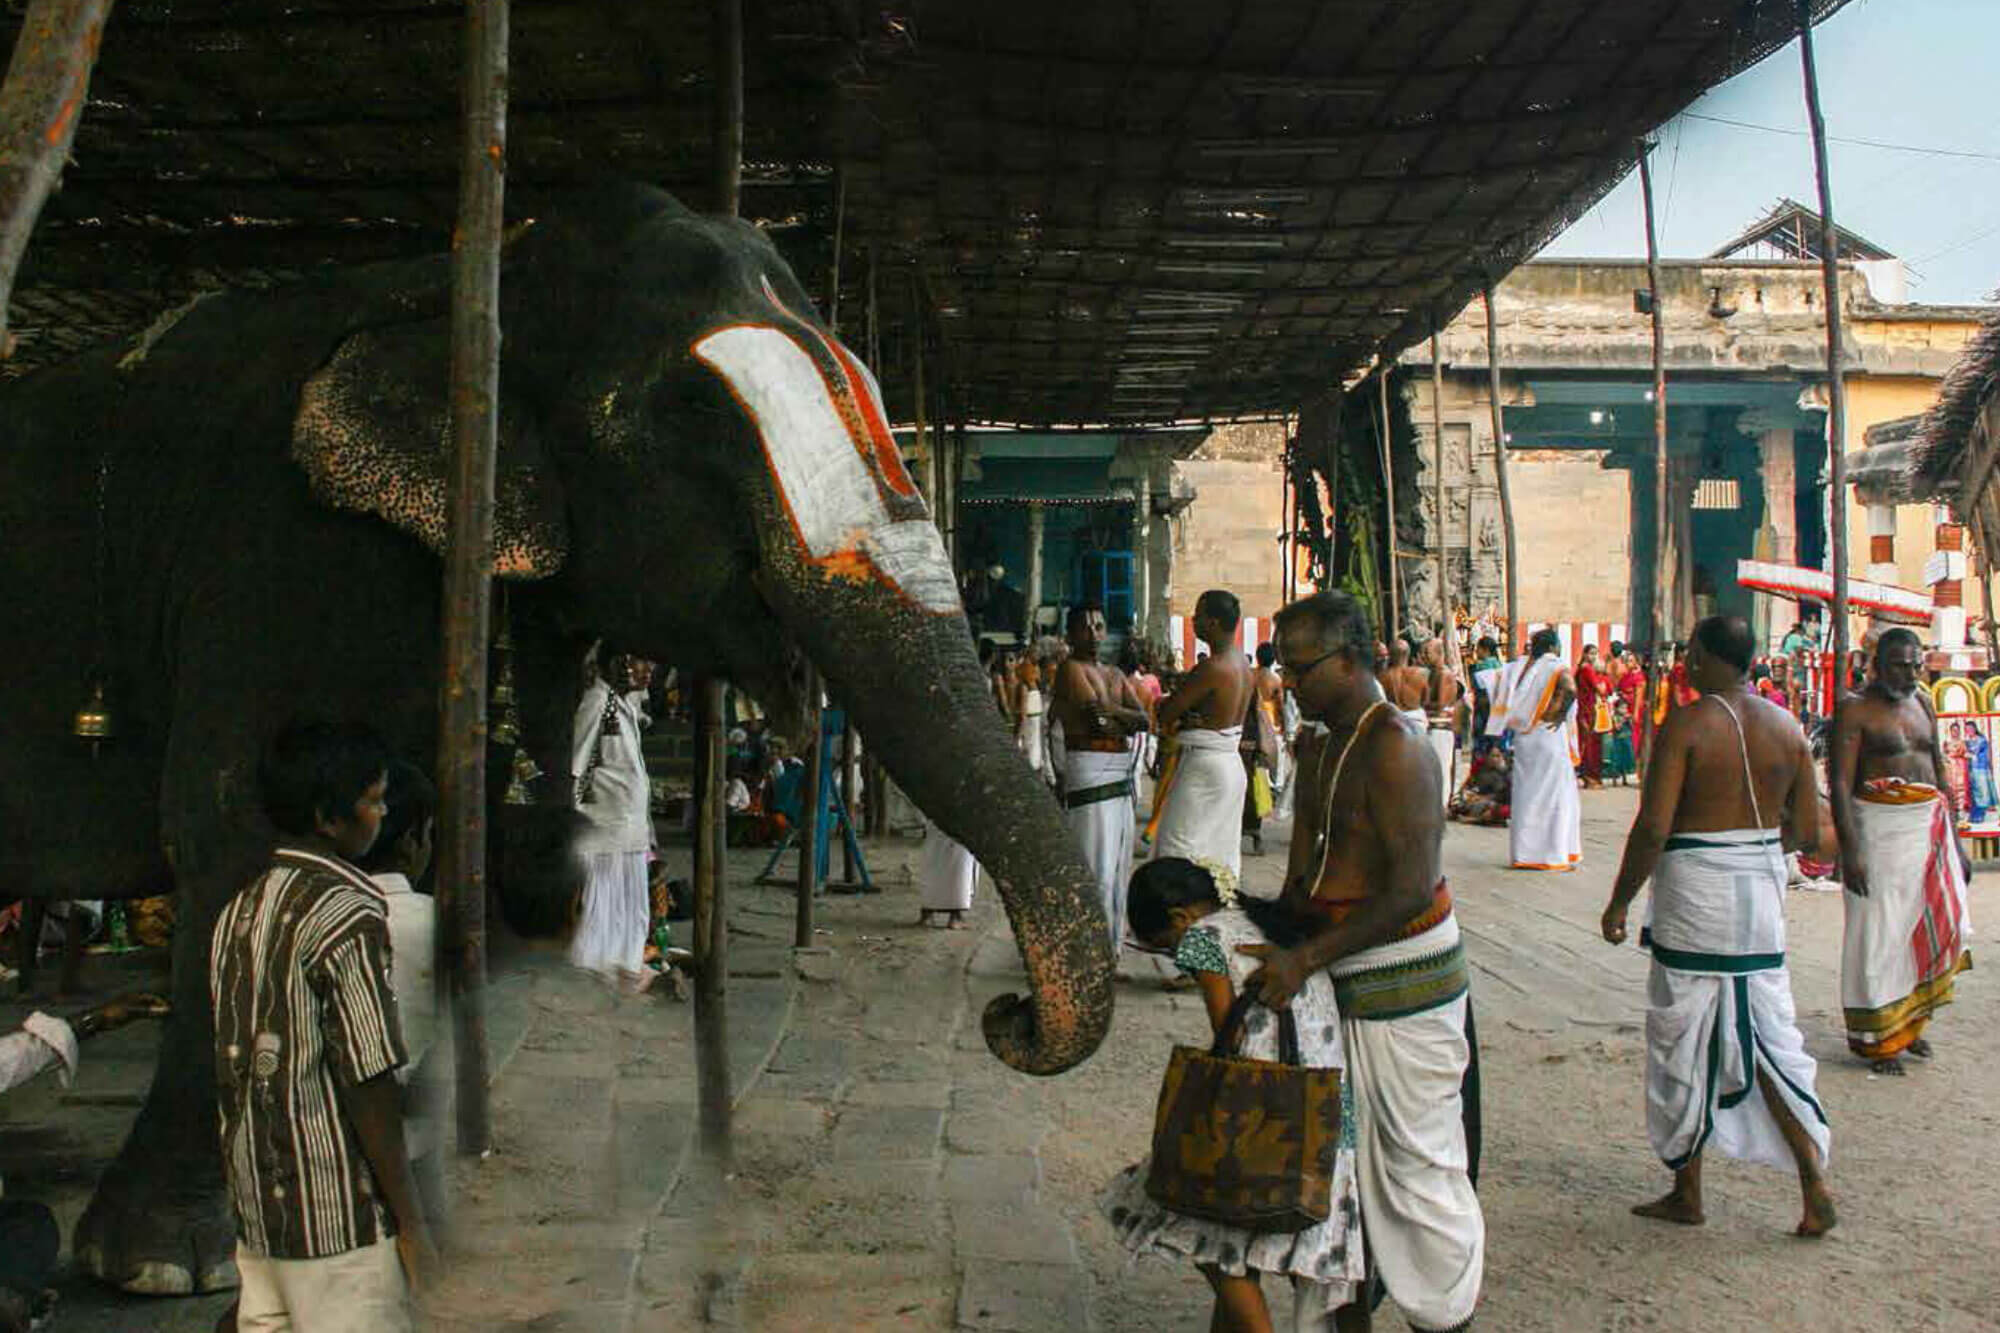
[[833, 265], [41, 101], [1836, 381], [728, 106], [812, 808], [1661, 622], [1507, 534], [468, 564], [711, 932], [1389, 503], [1437, 478], [1992, 633]]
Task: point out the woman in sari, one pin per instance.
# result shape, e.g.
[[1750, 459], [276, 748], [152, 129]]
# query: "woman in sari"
[[1593, 716], [1621, 749]]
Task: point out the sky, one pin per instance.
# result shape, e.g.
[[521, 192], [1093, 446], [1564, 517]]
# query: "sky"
[[1913, 73]]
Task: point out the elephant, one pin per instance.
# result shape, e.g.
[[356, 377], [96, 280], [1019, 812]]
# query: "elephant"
[[237, 516]]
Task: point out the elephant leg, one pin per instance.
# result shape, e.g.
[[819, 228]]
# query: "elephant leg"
[[159, 1223]]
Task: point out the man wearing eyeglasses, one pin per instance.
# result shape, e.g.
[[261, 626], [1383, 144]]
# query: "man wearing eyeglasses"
[[1370, 814]]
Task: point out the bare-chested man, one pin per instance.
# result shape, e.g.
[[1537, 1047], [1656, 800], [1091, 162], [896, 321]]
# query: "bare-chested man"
[[1201, 796], [1439, 703], [1893, 806], [1370, 810], [1725, 1064], [1099, 713], [1404, 683]]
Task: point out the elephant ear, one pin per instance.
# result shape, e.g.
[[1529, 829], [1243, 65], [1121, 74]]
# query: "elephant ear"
[[371, 436]]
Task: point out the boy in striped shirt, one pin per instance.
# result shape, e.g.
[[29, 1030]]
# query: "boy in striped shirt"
[[330, 1236]]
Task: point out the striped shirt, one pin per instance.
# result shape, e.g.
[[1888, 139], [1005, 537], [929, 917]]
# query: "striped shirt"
[[299, 974]]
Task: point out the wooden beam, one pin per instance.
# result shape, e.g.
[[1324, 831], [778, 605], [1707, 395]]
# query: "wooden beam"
[[811, 809], [1500, 465], [1836, 382], [1661, 623], [1437, 481], [1389, 493], [711, 934], [468, 578], [41, 102]]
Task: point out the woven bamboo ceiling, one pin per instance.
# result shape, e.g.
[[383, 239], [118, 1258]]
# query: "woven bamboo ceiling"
[[1120, 211]]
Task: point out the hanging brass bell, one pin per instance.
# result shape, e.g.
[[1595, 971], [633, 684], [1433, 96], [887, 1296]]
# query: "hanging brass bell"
[[93, 720], [505, 732]]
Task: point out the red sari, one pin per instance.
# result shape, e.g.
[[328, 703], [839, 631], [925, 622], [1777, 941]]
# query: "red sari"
[[1591, 686]]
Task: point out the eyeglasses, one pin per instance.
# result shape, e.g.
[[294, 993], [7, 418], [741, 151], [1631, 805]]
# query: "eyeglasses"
[[1298, 673]]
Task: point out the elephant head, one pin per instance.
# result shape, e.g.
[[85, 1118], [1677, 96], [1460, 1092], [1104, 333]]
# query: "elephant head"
[[707, 475]]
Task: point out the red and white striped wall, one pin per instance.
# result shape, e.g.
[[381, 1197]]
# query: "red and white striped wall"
[[1250, 632], [1576, 633]]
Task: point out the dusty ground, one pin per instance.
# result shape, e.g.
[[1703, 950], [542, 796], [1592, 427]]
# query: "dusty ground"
[[1566, 1153], [891, 1175]]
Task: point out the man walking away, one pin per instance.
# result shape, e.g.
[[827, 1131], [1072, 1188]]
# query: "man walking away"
[[1442, 691], [1545, 829], [1099, 714], [1385, 929], [1725, 1064], [330, 1235], [1902, 864], [1201, 815]]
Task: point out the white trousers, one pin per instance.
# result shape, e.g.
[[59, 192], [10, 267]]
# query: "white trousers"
[[361, 1291]]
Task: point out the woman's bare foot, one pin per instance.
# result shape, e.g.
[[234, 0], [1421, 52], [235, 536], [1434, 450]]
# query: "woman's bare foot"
[[1892, 1066], [923, 918], [1820, 1215], [956, 921], [1673, 1206], [1921, 1048]]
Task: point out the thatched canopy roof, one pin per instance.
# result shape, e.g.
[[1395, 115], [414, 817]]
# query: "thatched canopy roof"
[[1116, 211], [1939, 438]]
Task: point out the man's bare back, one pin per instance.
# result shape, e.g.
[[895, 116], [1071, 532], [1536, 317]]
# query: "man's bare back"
[[1700, 745], [1215, 695]]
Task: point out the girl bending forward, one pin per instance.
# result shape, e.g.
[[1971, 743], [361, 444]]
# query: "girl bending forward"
[[1193, 912]]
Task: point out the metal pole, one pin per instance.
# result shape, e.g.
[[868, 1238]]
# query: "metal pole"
[[1500, 460], [468, 565], [711, 936], [48, 80], [1437, 475], [1661, 622], [1829, 262], [812, 806], [1389, 503]]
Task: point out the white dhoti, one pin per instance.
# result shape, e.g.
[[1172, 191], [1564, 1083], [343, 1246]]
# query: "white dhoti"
[[950, 874], [1403, 1014], [1097, 805], [1720, 1002], [1202, 818], [1545, 827], [611, 933], [1906, 942], [1444, 747]]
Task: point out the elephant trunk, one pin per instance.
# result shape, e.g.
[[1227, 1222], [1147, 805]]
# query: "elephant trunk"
[[925, 707]]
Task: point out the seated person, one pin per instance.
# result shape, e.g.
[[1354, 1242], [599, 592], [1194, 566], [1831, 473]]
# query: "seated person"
[[1485, 798]]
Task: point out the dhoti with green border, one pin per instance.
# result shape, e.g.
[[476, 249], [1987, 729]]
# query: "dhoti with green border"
[[1721, 1004]]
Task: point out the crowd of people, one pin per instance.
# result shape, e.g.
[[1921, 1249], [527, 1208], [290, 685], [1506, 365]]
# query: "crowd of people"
[[319, 969]]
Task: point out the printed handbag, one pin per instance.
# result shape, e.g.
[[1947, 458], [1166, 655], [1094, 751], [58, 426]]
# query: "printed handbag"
[[1247, 1143]]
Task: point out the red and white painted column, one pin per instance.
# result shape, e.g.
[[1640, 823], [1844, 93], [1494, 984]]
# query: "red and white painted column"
[[1945, 573]]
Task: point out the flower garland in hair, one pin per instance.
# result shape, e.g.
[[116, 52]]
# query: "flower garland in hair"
[[1225, 881]]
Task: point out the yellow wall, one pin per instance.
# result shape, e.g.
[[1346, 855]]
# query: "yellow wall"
[[1877, 398]]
